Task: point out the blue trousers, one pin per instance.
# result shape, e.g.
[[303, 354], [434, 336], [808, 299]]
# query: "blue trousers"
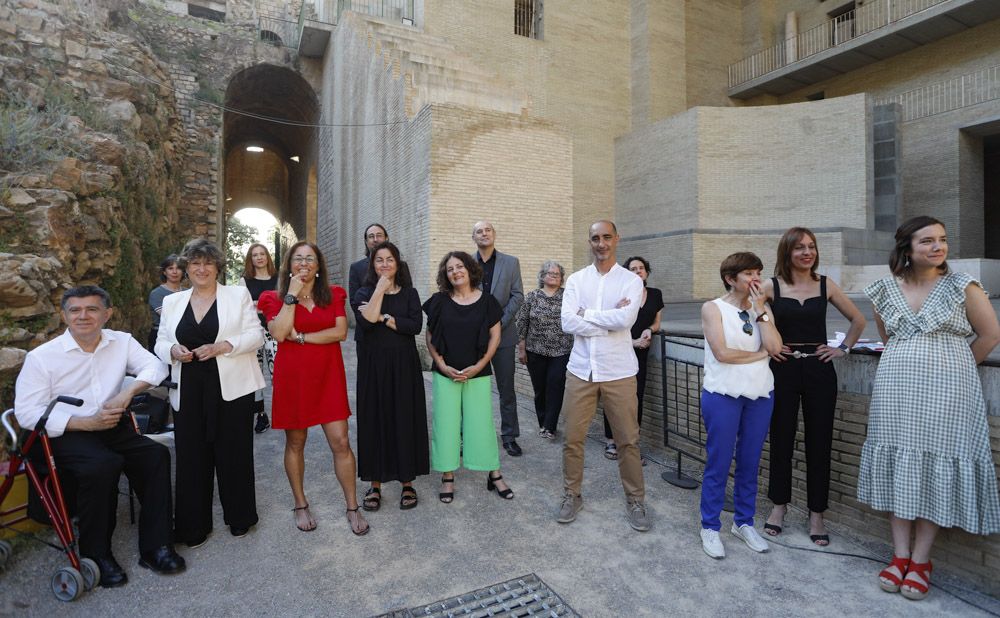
[[740, 424]]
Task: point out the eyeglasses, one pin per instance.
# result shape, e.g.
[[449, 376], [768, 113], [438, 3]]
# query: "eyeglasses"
[[747, 325], [298, 259], [555, 274]]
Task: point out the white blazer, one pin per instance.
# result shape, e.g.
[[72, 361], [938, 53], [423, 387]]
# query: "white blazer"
[[239, 372]]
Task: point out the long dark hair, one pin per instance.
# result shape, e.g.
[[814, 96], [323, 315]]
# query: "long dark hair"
[[321, 289], [783, 263], [899, 262], [471, 265], [249, 270], [403, 279], [364, 236]]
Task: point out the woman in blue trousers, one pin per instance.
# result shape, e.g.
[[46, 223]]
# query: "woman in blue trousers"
[[736, 400]]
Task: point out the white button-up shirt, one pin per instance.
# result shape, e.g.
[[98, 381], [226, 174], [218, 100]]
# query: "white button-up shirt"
[[61, 367], [602, 341]]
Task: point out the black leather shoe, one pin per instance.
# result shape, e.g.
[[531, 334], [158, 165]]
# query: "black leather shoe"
[[238, 531], [198, 542], [112, 573], [164, 560], [512, 448]]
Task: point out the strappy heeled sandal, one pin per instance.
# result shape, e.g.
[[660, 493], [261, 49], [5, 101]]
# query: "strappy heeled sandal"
[[507, 494], [894, 582], [916, 590], [357, 520], [447, 496]]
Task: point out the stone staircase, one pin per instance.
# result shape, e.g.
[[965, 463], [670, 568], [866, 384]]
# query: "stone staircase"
[[432, 69]]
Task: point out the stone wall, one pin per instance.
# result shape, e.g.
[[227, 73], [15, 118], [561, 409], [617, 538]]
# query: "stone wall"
[[90, 193]]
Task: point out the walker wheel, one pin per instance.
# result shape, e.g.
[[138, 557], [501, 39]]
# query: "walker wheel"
[[91, 573], [5, 552], [67, 584]]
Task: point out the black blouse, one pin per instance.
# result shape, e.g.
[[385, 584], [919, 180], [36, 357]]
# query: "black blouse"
[[800, 322], [259, 286], [404, 307], [647, 312], [461, 333]]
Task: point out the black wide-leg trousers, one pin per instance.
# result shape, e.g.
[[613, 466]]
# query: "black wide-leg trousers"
[[813, 384]]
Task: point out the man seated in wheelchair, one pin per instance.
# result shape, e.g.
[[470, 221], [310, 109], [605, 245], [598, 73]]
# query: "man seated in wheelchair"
[[95, 443]]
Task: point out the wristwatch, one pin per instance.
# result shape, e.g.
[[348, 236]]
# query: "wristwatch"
[[385, 318], [763, 317], [290, 299], [843, 347]]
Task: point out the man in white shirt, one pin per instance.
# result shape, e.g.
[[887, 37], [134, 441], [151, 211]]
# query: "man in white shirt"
[[600, 303], [94, 443]]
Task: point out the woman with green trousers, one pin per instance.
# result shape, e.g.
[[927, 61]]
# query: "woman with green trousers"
[[463, 332]]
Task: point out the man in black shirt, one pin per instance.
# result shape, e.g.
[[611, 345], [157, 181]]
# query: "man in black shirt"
[[374, 234], [502, 279]]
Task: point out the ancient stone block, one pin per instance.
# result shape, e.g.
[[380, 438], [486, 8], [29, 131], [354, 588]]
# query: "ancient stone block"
[[66, 175]]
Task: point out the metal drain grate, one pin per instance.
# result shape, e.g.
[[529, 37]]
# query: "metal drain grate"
[[523, 596]]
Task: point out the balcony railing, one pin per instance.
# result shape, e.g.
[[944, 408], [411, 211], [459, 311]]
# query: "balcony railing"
[[970, 89], [867, 18]]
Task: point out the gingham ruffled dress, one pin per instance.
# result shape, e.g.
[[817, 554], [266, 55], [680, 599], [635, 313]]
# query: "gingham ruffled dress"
[[927, 453]]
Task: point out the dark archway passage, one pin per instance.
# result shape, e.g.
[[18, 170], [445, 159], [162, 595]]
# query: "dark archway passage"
[[267, 164]]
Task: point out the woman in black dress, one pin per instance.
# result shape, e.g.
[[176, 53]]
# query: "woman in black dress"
[[646, 323], [259, 276], [392, 413]]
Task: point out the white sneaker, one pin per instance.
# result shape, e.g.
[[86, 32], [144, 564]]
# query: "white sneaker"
[[750, 536], [712, 544]]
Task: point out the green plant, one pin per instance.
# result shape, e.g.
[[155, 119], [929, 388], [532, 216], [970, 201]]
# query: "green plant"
[[239, 237], [31, 137]]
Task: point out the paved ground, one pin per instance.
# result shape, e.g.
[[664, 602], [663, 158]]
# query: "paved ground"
[[599, 565]]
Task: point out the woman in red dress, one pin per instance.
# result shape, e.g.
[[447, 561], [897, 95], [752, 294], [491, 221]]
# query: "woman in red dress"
[[308, 320]]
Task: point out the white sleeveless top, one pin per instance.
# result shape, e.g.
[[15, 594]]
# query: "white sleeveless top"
[[750, 380]]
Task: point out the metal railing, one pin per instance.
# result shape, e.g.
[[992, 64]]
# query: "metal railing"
[[867, 18], [279, 32], [681, 382], [963, 91]]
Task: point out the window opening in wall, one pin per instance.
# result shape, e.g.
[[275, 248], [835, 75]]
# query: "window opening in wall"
[[842, 23], [528, 18], [816, 96], [270, 37], [206, 13]]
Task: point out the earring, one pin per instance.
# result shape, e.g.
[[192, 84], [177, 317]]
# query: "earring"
[[906, 263], [316, 275]]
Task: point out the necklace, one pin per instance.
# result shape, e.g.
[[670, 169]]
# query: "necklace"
[[305, 297]]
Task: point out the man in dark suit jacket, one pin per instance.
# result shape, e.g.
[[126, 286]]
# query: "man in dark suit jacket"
[[374, 234], [502, 279]]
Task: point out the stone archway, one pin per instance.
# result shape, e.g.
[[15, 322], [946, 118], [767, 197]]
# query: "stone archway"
[[267, 152]]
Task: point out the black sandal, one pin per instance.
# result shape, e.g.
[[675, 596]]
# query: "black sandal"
[[358, 519], [304, 508], [372, 500], [447, 496], [507, 494], [408, 498]]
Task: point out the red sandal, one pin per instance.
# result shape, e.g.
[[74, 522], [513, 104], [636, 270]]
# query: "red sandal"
[[913, 589], [900, 563]]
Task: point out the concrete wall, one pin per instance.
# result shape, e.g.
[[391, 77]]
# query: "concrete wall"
[[940, 167], [733, 179]]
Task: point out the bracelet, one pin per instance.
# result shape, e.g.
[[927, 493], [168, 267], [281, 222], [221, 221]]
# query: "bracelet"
[[301, 338]]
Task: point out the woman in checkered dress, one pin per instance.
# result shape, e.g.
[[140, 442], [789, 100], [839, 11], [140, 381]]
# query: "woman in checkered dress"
[[927, 457]]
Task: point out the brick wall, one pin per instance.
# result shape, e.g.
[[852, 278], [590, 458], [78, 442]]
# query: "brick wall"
[[975, 558]]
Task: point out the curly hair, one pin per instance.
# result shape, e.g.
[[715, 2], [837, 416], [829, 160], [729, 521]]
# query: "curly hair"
[[471, 265], [204, 249]]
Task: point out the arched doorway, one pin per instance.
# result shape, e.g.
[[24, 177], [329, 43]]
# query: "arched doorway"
[[270, 146]]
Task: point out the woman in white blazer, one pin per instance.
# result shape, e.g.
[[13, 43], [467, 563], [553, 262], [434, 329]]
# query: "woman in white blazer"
[[210, 334]]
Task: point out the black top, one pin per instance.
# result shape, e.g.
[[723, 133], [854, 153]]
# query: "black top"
[[647, 312], [259, 286], [489, 266], [803, 322], [404, 306], [461, 333], [193, 334]]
